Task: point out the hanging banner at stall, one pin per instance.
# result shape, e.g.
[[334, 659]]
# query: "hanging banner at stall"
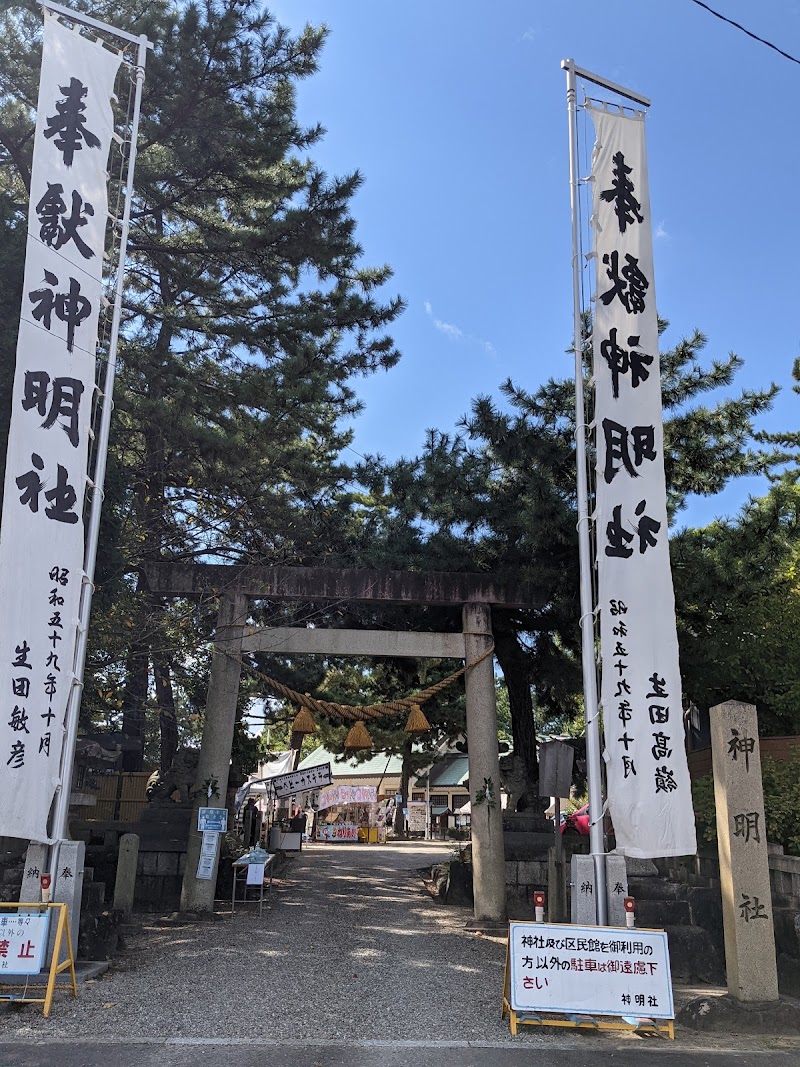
[[648, 779], [339, 795], [288, 785], [338, 831], [42, 532]]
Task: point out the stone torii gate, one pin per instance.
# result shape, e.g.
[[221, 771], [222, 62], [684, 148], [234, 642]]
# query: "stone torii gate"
[[236, 585]]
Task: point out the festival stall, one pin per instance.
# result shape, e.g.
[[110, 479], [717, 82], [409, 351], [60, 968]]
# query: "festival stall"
[[348, 813]]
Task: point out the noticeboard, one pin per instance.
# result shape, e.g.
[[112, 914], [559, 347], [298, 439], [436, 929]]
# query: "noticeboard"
[[215, 819], [417, 816], [589, 970], [23, 941]]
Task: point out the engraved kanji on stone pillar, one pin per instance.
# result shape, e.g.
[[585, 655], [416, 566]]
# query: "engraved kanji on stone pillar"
[[744, 865]]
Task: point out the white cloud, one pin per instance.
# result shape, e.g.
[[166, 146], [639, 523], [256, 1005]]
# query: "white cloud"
[[660, 231], [530, 35], [455, 333]]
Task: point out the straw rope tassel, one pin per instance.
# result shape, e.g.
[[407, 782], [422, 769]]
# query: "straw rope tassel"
[[303, 723], [417, 723], [358, 737]]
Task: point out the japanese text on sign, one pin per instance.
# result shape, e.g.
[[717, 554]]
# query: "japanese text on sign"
[[589, 970]]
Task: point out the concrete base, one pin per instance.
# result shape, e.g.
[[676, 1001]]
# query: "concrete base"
[[724, 1013], [85, 971], [487, 926]]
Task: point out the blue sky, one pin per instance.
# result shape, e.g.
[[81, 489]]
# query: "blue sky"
[[455, 114]]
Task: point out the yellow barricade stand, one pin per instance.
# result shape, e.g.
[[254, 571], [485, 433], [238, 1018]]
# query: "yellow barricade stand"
[[63, 939]]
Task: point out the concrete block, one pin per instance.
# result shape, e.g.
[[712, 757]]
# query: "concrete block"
[[512, 871], [532, 872], [640, 868], [148, 863], [583, 896], [167, 863], [125, 883], [36, 864], [616, 890]]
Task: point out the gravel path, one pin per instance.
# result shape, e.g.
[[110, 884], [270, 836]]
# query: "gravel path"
[[353, 947], [353, 950]]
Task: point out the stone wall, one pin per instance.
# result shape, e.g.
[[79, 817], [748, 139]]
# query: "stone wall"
[[159, 875], [703, 870], [522, 878]]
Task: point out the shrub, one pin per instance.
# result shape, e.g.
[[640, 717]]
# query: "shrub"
[[781, 804]]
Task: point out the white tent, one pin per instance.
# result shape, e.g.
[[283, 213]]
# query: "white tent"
[[259, 786]]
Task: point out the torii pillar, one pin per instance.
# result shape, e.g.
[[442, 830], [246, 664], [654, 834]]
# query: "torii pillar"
[[488, 859], [215, 754]]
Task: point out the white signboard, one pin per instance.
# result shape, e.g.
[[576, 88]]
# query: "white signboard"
[[417, 816], [208, 855], [590, 970], [287, 785], [42, 535], [23, 941], [648, 779]]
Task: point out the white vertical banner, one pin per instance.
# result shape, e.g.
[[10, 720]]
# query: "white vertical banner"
[[42, 532], [647, 775]]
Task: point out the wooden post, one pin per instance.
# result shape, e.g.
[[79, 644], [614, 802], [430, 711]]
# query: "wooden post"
[[215, 752], [488, 859], [743, 863]]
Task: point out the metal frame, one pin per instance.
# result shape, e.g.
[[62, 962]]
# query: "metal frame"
[[589, 667]]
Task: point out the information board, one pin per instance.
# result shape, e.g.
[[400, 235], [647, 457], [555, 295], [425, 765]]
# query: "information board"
[[589, 970], [208, 855], [417, 816], [215, 819], [23, 941]]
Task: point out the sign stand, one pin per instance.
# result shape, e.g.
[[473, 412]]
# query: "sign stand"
[[574, 1020], [56, 967]]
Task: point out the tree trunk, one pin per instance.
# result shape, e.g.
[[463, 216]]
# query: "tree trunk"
[[133, 706], [514, 665], [405, 779], [167, 717]]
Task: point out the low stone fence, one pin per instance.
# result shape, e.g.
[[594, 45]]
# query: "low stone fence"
[[784, 875]]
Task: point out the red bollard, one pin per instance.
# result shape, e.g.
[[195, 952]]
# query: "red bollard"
[[538, 903], [630, 912]]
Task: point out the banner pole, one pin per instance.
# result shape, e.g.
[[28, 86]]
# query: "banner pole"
[[60, 819], [591, 710]]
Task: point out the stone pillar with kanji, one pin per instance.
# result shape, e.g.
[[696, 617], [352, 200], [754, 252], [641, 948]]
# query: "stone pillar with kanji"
[[744, 865]]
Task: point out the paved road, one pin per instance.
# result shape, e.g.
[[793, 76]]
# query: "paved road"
[[353, 965], [352, 1054]]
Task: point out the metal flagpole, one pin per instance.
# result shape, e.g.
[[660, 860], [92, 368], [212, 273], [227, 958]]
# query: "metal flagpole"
[[60, 818], [591, 713]]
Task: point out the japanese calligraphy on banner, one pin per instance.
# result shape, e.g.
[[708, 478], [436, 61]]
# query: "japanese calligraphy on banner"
[[647, 775], [42, 536], [287, 785]]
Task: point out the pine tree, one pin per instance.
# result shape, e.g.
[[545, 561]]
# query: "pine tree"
[[499, 496], [247, 313]]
